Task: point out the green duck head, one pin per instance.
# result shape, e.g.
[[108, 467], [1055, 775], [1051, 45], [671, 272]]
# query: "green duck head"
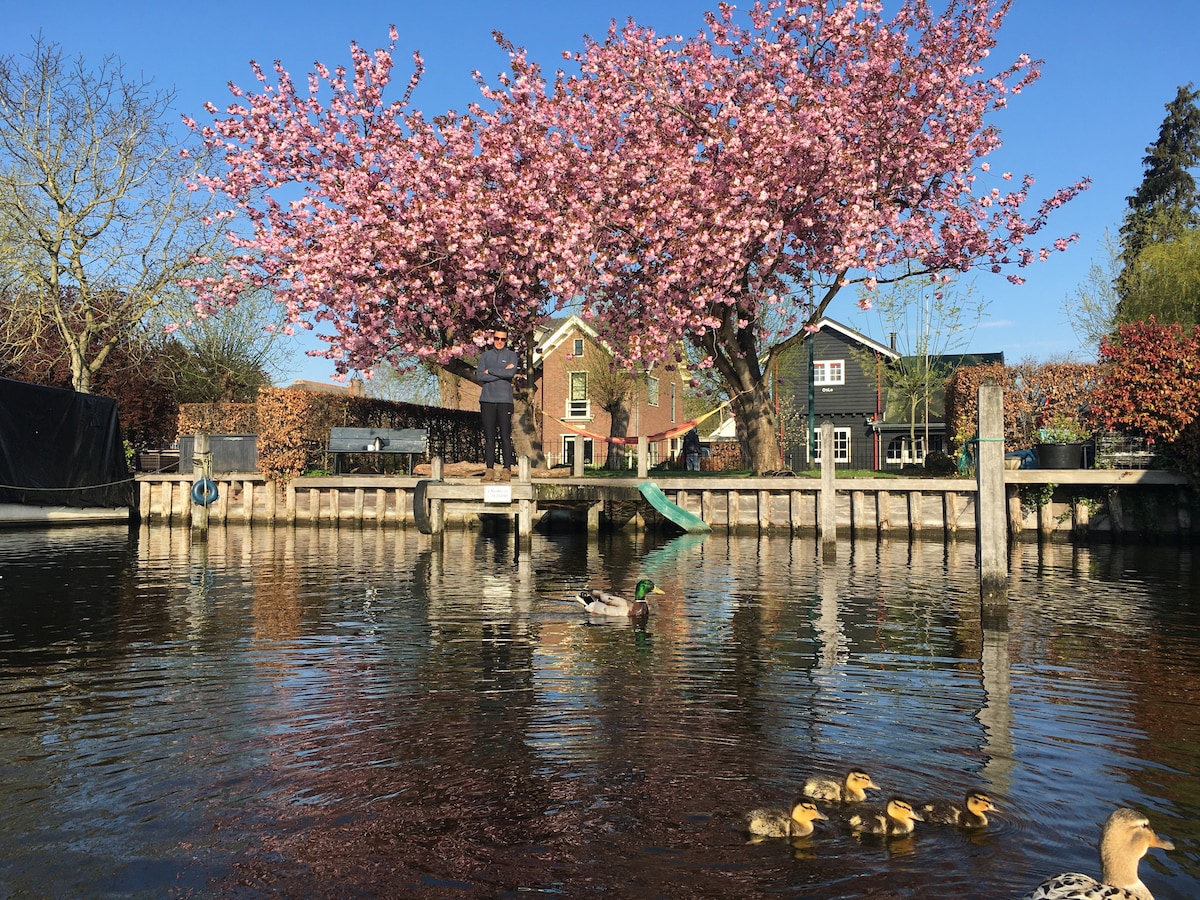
[[644, 587]]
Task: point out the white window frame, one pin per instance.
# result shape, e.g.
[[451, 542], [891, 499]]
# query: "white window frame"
[[576, 407], [651, 391], [829, 371], [841, 445], [577, 348], [573, 441], [910, 453]]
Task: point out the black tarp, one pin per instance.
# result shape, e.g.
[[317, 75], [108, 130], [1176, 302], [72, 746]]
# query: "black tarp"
[[60, 448]]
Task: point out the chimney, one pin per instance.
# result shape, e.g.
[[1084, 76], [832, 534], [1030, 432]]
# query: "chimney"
[[892, 340]]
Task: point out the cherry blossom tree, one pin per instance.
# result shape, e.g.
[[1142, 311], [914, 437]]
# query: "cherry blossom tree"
[[410, 239], [761, 167], [673, 189]]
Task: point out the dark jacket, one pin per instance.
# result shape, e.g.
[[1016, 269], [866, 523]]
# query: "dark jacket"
[[493, 376]]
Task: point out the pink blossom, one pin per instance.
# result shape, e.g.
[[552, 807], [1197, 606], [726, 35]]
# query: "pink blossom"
[[730, 183]]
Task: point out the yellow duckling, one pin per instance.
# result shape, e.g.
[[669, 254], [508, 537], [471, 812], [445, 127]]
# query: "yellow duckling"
[[1124, 840], [777, 823], [602, 603], [893, 820], [971, 813], [852, 789]]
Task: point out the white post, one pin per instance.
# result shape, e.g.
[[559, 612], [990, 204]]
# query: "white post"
[[989, 475], [827, 504]]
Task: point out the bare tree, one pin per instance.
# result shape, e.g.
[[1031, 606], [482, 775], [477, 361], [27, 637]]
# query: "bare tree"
[[1092, 309], [225, 356], [94, 202], [929, 321], [610, 387], [418, 384]]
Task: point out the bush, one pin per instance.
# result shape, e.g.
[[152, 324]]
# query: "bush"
[[939, 464], [1151, 388]]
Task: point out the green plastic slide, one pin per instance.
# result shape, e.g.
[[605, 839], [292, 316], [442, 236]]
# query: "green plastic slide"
[[676, 514]]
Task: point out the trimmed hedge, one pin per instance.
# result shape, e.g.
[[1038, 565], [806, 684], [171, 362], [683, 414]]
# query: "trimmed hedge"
[[293, 426]]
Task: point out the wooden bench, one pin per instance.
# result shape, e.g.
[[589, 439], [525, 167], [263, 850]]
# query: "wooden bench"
[[408, 441]]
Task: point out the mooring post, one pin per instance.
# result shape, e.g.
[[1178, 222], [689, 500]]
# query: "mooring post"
[[643, 456], [577, 460], [201, 469], [989, 479], [827, 504], [525, 507], [437, 508]]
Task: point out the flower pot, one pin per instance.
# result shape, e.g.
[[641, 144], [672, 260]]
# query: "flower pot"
[[1060, 456]]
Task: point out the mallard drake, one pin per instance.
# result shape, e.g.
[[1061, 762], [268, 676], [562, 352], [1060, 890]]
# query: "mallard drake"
[[970, 813], [895, 818], [851, 789], [775, 822], [1124, 840], [598, 602]]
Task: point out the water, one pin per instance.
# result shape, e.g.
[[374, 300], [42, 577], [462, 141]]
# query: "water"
[[341, 713]]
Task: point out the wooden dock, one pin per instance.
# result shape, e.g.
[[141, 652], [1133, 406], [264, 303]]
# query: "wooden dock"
[[1080, 502]]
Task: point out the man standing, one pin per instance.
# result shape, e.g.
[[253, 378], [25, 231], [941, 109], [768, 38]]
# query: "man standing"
[[691, 450], [495, 372]]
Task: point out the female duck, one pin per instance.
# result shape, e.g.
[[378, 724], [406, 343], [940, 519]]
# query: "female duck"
[[602, 603], [893, 820], [774, 822], [970, 813], [852, 789], [1124, 840]]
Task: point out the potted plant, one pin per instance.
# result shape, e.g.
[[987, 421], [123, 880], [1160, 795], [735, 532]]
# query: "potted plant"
[[1060, 442]]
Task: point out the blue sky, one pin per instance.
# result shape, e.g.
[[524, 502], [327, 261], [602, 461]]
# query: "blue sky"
[[1109, 69]]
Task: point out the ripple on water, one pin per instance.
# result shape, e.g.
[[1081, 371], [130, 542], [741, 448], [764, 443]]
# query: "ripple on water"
[[282, 710]]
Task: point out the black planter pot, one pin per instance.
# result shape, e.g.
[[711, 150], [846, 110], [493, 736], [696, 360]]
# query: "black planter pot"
[[1060, 456]]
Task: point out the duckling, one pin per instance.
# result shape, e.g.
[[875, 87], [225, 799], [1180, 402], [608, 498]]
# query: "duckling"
[[968, 814], [775, 822], [598, 602], [892, 820], [850, 790], [1124, 840]]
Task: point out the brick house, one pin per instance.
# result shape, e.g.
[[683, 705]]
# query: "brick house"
[[569, 362], [573, 362]]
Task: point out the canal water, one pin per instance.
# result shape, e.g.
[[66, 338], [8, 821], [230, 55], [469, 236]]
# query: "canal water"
[[318, 712]]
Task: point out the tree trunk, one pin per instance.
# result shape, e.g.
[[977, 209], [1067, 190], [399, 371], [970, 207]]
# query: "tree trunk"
[[526, 440], [618, 427], [81, 374], [755, 415], [912, 428], [733, 351]]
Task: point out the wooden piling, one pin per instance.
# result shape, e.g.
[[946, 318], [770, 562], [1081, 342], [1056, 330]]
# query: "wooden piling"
[[989, 476], [437, 508], [525, 507], [827, 505], [201, 468]]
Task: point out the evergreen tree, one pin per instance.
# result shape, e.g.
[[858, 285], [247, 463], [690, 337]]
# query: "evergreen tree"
[[1166, 202]]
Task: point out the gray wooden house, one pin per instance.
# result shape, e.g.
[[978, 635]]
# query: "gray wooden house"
[[848, 387]]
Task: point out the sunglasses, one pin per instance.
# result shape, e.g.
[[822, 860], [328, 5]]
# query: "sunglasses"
[[499, 337]]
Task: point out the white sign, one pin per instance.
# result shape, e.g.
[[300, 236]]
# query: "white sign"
[[497, 493]]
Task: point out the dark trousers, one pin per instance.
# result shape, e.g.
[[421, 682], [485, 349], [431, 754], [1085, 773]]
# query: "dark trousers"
[[497, 417]]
